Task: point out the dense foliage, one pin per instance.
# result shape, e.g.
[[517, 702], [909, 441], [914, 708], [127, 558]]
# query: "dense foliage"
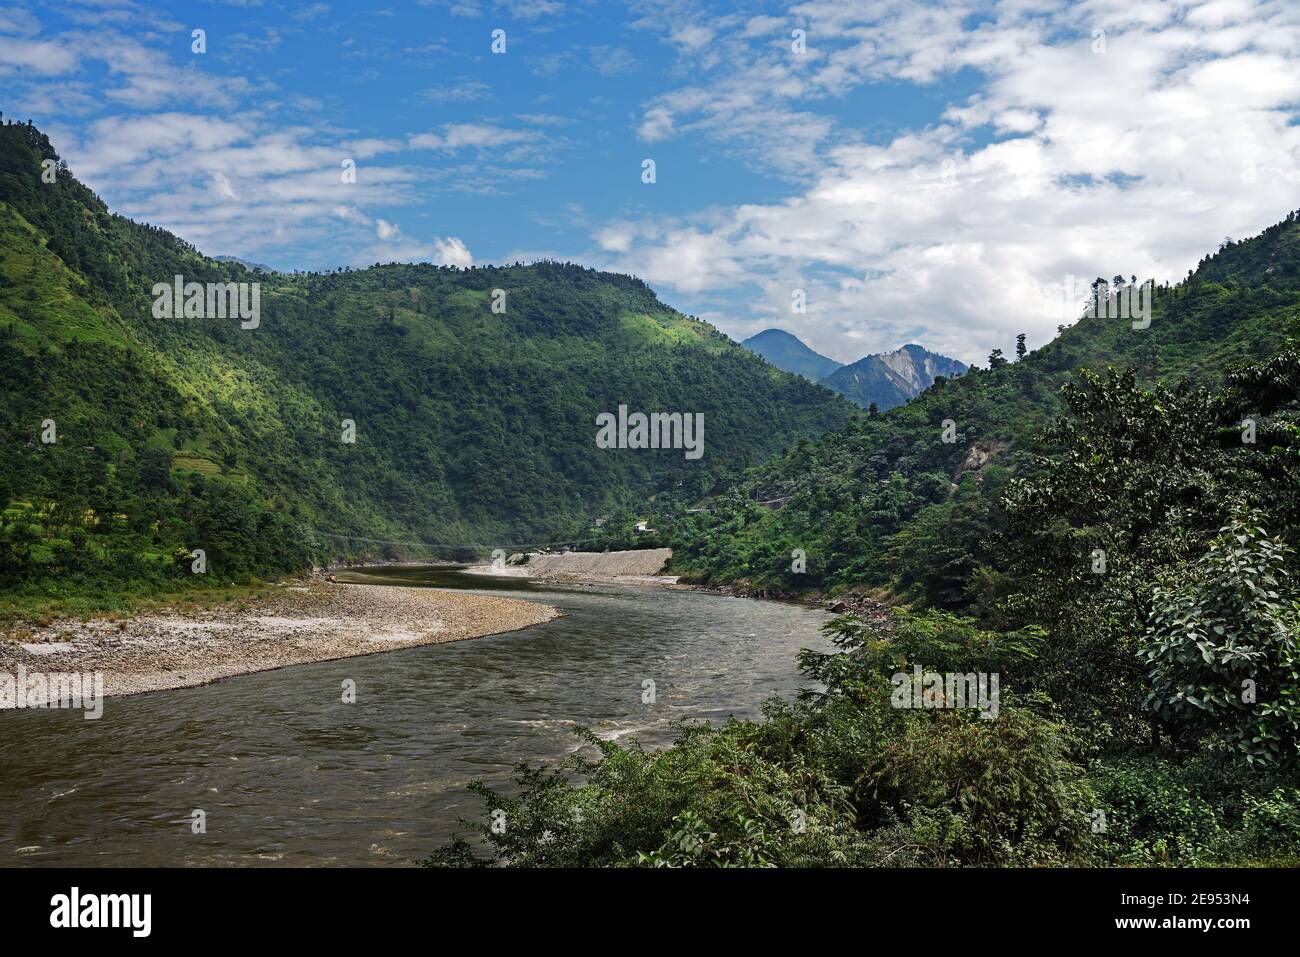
[[844, 778], [841, 777], [870, 504], [1139, 601], [473, 428]]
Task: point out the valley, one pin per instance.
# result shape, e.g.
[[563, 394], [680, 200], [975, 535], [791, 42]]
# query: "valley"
[[1085, 552]]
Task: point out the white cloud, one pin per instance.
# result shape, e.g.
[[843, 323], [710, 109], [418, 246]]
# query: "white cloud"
[[456, 136], [451, 252], [19, 21], [43, 57], [532, 9], [657, 124], [612, 61], [1135, 161], [465, 91], [691, 36]]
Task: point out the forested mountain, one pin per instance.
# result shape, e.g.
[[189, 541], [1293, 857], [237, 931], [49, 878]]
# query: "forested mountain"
[[907, 500], [788, 352], [889, 379], [127, 439]]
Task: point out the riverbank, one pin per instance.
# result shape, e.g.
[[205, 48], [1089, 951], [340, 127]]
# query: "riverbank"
[[294, 623], [633, 567], [866, 607]]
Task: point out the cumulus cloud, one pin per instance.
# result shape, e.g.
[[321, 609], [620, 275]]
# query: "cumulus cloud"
[[1068, 160], [451, 252], [44, 57], [235, 185], [926, 172]]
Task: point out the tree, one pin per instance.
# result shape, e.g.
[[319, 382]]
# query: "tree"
[[1141, 485], [1221, 648], [1021, 350]]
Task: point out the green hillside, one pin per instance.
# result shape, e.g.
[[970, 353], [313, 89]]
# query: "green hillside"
[[472, 427], [887, 503], [1121, 685]]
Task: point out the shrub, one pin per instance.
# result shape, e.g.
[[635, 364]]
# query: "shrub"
[[1221, 647], [841, 778]]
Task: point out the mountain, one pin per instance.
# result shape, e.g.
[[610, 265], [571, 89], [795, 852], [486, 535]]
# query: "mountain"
[[361, 410], [885, 380], [907, 501], [788, 352], [246, 263], [891, 378]]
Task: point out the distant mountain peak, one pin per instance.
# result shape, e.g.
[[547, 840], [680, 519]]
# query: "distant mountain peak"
[[888, 379], [789, 353], [247, 264]]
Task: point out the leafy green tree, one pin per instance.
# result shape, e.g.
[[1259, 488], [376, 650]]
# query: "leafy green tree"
[[1221, 647]]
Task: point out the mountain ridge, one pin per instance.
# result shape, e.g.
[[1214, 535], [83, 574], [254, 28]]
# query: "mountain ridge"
[[888, 379], [469, 428], [882, 379]]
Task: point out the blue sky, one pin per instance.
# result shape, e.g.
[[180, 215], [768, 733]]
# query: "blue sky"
[[923, 172]]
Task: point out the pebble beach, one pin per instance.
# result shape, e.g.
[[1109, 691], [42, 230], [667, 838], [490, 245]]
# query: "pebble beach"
[[297, 623]]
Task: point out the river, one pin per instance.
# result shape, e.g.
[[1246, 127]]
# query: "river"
[[288, 775]]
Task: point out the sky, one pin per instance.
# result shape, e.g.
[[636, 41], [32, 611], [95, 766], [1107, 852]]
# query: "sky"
[[862, 173]]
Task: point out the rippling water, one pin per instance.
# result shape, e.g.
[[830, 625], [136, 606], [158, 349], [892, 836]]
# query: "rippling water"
[[288, 774]]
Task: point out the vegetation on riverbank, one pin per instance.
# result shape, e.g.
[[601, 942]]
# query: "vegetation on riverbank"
[[1148, 668], [844, 778], [1130, 577], [27, 607]]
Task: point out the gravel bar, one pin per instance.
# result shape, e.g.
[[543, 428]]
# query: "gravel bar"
[[299, 622]]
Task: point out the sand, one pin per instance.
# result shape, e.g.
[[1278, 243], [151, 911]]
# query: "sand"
[[636, 567], [301, 622]]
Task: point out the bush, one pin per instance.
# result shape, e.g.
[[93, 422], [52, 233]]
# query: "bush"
[[841, 778], [1221, 647], [1204, 811], [1153, 816]]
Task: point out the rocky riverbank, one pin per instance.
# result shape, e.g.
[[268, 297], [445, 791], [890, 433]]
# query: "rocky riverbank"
[[300, 622], [633, 567], [861, 606]]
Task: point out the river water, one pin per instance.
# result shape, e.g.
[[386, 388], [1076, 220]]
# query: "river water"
[[287, 774]]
